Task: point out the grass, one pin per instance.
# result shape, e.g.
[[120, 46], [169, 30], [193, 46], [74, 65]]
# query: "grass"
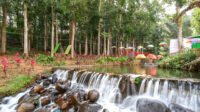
[[14, 85]]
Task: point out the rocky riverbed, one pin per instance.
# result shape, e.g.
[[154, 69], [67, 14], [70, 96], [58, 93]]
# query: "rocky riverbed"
[[74, 91]]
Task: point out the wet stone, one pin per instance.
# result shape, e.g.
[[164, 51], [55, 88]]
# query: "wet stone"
[[26, 107], [149, 105], [45, 101], [38, 88], [178, 108], [93, 95]]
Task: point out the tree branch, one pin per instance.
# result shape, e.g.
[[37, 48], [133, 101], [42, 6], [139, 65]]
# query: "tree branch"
[[191, 6]]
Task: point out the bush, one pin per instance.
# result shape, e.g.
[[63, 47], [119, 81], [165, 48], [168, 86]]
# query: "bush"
[[44, 60], [177, 61]]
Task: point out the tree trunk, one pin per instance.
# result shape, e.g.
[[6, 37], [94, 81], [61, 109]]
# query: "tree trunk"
[[86, 44], [94, 45], [91, 38], [179, 26], [104, 44], [72, 38], [56, 29], [52, 31], [25, 29], [99, 31], [86, 36], [4, 30], [80, 49], [45, 35], [108, 45]]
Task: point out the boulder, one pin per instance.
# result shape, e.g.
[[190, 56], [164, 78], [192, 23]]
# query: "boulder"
[[88, 107], [45, 101], [46, 82], [60, 88], [93, 95], [26, 107], [178, 108], [38, 88], [150, 105]]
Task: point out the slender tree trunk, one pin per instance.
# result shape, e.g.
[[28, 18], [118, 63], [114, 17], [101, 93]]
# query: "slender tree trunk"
[[99, 31], [86, 44], [91, 39], [52, 31], [4, 30], [72, 37], [80, 49], [86, 36], [179, 26], [25, 29], [104, 44], [56, 29], [108, 45], [45, 35], [133, 44]]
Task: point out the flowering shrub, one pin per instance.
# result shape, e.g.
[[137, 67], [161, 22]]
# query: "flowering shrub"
[[4, 64]]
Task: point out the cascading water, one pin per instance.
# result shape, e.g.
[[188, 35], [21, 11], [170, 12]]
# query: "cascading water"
[[117, 94]]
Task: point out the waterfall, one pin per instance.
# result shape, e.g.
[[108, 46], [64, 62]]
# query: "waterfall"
[[119, 93]]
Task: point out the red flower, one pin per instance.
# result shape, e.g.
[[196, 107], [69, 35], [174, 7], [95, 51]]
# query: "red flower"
[[4, 64], [18, 60], [32, 62]]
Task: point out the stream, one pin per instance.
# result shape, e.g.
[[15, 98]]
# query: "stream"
[[117, 93]]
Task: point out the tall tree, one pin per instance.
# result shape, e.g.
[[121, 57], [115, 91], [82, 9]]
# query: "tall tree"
[[99, 30], [25, 29], [3, 42], [52, 30]]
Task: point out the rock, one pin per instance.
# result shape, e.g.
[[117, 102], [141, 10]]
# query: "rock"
[[43, 110], [93, 95], [60, 88], [88, 107], [45, 101], [23, 99], [105, 110], [32, 93], [26, 107], [178, 108], [46, 83], [63, 105], [54, 79], [149, 105], [43, 91], [38, 88]]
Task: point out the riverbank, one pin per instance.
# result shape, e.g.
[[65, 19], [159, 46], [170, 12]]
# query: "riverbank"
[[69, 89]]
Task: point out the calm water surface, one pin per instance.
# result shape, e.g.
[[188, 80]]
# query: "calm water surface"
[[149, 70]]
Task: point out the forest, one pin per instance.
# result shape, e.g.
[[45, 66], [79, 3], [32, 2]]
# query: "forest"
[[92, 27]]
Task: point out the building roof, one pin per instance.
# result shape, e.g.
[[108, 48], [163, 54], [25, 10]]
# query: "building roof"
[[190, 37]]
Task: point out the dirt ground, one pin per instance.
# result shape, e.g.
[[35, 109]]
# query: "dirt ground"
[[14, 70]]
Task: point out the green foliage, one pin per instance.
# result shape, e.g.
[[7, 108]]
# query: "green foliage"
[[112, 59], [13, 86], [45, 60], [59, 63], [196, 21], [177, 61]]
